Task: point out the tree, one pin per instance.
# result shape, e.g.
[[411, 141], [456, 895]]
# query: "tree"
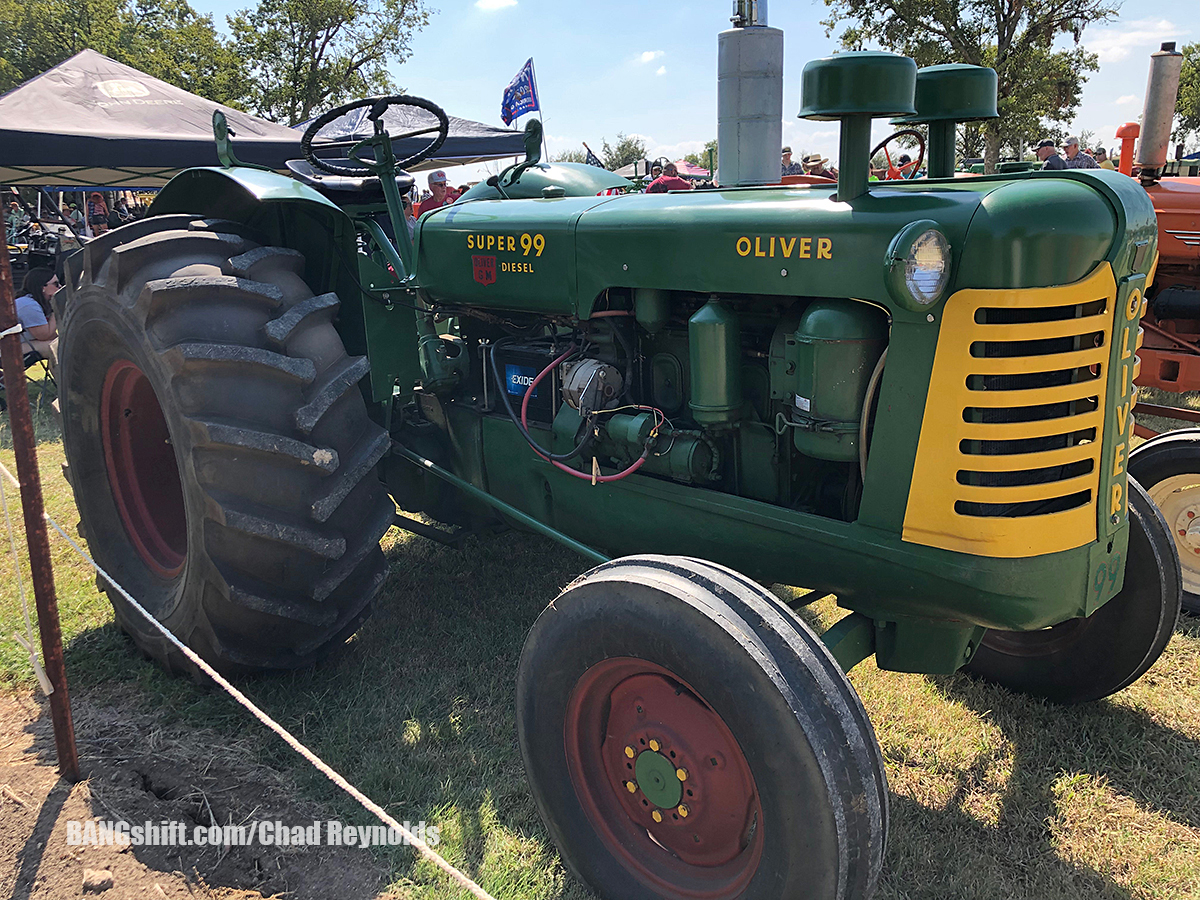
[[629, 148], [1187, 107], [163, 38], [304, 55], [1039, 87], [701, 159], [578, 155]]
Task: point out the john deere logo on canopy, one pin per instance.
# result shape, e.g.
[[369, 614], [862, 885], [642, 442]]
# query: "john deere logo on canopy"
[[122, 89]]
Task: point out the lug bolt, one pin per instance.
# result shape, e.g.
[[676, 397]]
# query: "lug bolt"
[[1182, 532], [683, 811], [656, 816], [630, 752], [1191, 515], [631, 787], [681, 774], [654, 745]]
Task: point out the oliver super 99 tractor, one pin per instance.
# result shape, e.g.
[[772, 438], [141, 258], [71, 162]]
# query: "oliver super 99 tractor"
[[912, 394]]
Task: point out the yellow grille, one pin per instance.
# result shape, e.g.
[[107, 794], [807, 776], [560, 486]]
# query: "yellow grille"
[[1009, 454]]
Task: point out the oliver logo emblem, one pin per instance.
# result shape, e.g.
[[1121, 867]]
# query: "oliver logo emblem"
[[122, 89], [485, 269]]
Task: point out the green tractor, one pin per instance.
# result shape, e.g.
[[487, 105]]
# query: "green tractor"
[[913, 394]]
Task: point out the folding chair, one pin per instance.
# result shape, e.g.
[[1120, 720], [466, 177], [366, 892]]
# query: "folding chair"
[[32, 360]]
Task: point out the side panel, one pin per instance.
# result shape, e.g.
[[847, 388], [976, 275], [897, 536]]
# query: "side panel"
[[870, 571]]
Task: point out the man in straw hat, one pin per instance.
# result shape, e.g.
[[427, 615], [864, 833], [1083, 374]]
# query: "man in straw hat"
[[814, 164]]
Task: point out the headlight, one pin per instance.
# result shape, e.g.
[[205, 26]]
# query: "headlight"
[[918, 262]]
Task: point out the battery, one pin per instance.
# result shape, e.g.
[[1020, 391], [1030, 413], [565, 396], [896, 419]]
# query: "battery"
[[519, 365]]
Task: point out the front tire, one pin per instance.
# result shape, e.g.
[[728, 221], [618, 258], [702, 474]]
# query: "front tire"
[[1086, 659], [685, 737], [220, 452]]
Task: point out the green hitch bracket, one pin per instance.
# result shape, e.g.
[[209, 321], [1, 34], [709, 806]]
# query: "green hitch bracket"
[[851, 640]]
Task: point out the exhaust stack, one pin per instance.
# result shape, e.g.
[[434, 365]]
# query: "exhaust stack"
[[1162, 88], [749, 97]]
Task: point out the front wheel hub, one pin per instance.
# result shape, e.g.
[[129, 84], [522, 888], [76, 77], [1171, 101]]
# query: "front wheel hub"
[[663, 780]]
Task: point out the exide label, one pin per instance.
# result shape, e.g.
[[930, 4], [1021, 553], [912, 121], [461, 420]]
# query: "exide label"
[[519, 379]]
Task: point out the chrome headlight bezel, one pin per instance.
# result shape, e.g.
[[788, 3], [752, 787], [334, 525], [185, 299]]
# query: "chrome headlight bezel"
[[918, 262]]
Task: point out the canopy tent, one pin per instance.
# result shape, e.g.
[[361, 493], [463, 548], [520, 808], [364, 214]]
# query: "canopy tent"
[[690, 170], [92, 121], [468, 142], [639, 168]]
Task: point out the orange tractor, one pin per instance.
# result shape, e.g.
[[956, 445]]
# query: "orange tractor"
[[1168, 464]]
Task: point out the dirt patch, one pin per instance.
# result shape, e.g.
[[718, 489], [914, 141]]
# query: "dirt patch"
[[137, 770]]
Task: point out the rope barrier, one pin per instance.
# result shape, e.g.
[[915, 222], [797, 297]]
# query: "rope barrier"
[[319, 764], [26, 642]]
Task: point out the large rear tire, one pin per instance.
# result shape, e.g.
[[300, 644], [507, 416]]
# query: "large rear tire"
[[686, 737], [1168, 467], [1085, 659], [220, 452]]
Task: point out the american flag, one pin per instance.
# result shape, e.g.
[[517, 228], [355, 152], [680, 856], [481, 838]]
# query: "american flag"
[[592, 159]]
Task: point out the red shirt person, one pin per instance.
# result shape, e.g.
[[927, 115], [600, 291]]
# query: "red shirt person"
[[437, 187], [668, 181]]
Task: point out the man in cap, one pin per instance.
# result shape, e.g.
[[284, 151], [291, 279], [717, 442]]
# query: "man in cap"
[[1075, 159], [1048, 154], [814, 164], [437, 194], [789, 167], [668, 181]]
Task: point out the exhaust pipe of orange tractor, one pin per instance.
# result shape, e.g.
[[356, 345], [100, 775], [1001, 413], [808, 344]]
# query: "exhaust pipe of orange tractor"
[[1158, 114]]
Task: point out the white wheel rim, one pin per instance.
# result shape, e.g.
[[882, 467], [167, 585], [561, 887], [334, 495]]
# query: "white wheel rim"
[[1178, 498]]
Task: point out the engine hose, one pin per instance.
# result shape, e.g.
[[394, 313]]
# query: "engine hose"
[[517, 420], [595, 479], [626, 394], [865, 418]]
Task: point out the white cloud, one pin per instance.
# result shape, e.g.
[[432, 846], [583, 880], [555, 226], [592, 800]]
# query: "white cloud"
[[491, 5], [662, 70], [1126, 100], [1117, 41], [646, 57]]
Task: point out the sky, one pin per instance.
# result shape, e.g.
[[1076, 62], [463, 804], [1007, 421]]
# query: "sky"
[[650, 70]]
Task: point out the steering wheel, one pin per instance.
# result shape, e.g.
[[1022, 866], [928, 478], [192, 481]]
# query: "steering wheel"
[[894, 172], [358, 167]]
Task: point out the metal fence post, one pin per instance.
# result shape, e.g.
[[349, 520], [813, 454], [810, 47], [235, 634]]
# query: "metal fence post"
[[25, 450]]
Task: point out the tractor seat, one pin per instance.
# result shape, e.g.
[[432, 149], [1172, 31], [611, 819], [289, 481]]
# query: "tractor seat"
[[345, 189]]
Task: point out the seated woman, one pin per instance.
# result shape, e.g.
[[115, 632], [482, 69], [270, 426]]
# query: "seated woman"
[[36, 315]]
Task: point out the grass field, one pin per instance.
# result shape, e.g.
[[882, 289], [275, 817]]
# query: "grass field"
[[992, 795]]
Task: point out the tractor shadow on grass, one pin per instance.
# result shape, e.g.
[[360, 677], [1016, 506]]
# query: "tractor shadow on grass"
[[1065, 765]]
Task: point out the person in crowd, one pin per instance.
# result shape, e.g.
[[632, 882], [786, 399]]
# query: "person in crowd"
[[816, 164], [97, 212], [410, 218], [655, 172], [437, 194], [1047, 153], [1102, 159], [76, 217], [1075, 159], [668, 181], [788, 167], [36, 315]]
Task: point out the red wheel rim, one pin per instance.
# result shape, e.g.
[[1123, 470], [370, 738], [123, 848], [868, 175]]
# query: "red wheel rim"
[[707, 847], [142, 469]]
